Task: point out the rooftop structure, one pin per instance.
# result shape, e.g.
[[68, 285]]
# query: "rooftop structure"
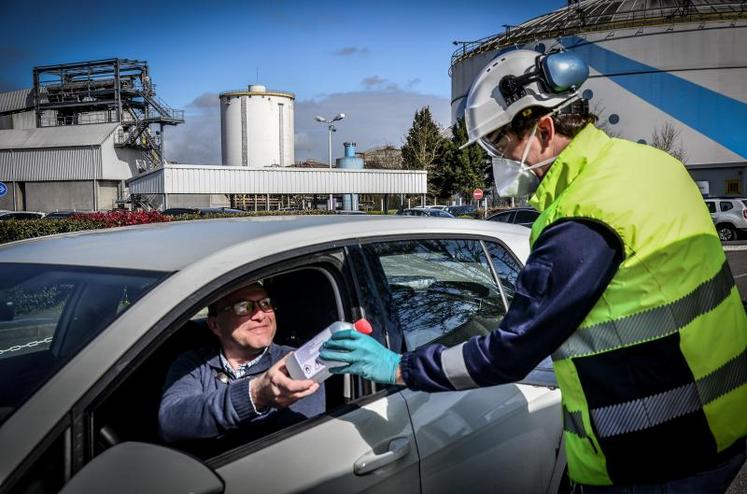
[[104, 91], [604, 15]]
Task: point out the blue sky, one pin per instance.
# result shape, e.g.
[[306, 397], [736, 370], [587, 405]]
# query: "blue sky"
[[377, 61]]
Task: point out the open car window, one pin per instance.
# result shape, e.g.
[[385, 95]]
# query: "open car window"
[[306, 299], [441, 290]]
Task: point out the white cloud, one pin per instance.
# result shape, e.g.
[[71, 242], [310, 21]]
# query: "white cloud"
[[374, 117], [197, 141]]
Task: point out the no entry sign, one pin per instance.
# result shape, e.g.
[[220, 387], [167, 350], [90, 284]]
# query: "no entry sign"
[[477, 194]]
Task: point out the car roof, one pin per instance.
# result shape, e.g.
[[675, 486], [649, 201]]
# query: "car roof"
[[171, 246]]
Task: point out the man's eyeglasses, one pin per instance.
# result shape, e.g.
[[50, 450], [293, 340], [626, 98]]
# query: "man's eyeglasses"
[[247, 307]]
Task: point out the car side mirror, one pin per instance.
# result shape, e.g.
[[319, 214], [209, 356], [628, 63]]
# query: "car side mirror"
[[140, 467]]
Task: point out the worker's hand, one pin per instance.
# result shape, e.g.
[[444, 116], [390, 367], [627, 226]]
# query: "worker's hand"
[[275, 388], [363, 355]]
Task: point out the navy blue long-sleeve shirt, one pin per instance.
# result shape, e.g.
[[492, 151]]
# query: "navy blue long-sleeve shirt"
[[568, 270]]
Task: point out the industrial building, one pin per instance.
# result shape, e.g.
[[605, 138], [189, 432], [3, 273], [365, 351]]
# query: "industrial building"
[[671, 70], [270, 188], [89, 136], [74, 138]]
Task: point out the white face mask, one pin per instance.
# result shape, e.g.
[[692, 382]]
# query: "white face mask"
[[514, 178]]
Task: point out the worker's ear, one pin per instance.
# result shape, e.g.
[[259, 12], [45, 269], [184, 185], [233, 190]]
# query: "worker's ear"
[[545, 131]]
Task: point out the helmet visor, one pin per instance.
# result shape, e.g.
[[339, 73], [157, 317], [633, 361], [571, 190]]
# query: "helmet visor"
[[495, 143]]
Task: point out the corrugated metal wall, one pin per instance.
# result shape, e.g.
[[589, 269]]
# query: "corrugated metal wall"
[[151, 183], [189, 179], [74, 163]]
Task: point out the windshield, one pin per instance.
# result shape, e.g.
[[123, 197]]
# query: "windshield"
[[49, 313]]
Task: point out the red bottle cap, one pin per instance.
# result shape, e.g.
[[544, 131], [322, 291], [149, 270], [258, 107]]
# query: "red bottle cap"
[[363, 326]]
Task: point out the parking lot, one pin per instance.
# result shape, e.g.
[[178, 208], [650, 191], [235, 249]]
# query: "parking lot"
[[736, 254]]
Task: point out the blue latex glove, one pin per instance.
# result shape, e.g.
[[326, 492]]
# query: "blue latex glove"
[[364, 355]]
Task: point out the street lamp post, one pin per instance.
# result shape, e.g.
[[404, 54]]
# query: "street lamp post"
[[330, 128]]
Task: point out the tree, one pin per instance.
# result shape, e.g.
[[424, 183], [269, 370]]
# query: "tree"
[[460, 171], [667, 138], [423, 143]]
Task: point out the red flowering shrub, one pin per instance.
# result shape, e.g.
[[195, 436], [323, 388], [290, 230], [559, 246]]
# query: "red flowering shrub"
[[110, 219], [12, 230]]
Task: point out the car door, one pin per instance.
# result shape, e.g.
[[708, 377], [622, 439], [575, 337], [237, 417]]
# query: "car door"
[[501, 438], [367, 447]]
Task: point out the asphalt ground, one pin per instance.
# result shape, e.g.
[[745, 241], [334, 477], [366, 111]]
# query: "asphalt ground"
[[736, 255]]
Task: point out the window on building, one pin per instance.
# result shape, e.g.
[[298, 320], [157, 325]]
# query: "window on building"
[[733, 187]]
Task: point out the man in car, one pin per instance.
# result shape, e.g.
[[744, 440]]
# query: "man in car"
[[239, 383], [627, 286]]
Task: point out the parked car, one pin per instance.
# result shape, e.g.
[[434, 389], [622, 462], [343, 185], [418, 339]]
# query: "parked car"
[[349, 211], [465, 209], [729, 214], [64, 214], [437, 213], [21, 215], [89, 326], [518, 216], [202, 211]]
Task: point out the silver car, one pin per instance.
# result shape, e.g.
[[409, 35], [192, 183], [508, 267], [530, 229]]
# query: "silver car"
[[90, 322], [729, 214]]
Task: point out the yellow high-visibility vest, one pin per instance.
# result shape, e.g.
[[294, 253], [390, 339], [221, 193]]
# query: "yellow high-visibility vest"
[[654, 381]]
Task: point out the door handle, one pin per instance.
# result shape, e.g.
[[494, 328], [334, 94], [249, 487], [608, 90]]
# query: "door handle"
[[398, 448]]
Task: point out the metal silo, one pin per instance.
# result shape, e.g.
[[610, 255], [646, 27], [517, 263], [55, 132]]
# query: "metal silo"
[[257, 127], [350, 162], [654, 63]]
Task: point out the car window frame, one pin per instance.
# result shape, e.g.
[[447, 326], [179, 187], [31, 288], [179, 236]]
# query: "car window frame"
[[302, 258]]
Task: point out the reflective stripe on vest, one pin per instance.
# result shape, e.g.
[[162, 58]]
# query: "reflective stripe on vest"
[[654, 323], [653, 410]]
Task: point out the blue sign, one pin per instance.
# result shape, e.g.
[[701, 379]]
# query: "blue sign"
[[3, 189]]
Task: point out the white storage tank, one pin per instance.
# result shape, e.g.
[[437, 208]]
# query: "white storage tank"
[[257, 127], [654, 64]]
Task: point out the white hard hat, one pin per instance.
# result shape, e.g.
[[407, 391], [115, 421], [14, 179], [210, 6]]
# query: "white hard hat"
[[516, 80]]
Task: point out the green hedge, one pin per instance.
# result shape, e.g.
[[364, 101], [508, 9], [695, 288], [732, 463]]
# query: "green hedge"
[[13, 230]]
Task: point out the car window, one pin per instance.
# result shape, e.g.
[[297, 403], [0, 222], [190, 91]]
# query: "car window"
[[442, 290], [725, 205], [526, 216], [503, 217], [711, 206], [506, 266], [306, 299], [49, 313]]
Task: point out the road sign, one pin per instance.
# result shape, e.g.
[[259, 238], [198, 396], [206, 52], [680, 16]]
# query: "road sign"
[[477, 194], [3, 189]]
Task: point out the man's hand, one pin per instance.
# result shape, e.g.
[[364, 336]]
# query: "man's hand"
[[276, 389], [364, 355]]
